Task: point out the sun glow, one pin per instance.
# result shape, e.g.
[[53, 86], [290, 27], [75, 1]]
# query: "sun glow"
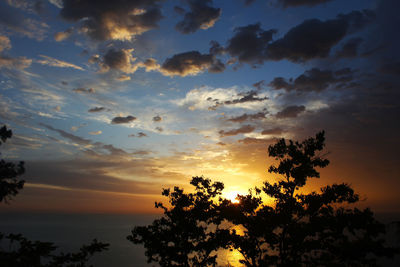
[[232, 196]]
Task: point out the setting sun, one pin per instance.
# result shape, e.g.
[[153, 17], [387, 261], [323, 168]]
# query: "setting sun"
[[232, 196]]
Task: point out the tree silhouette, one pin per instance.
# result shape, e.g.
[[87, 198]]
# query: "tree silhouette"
[[18, 251], [315, 229], [188, 234], [9, 172]]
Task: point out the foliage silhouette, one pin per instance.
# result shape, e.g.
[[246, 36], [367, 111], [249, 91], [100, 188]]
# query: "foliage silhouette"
[[26, 253], [315, 229], [188, 234], [22, 252], [10, 185]]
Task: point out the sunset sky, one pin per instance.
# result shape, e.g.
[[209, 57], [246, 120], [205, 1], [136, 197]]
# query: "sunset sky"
[[111, 101]]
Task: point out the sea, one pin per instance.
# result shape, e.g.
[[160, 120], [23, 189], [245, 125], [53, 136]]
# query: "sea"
[[69, 231]]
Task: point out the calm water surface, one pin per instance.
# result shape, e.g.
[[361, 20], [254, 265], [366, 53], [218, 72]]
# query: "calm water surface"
[[69, 231]]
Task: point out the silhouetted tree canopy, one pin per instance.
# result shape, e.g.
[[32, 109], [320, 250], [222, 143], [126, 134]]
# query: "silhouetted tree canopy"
[[9, 172], [316, 229], [18, 251], [188, 233]]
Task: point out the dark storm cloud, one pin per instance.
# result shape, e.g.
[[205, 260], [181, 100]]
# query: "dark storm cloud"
[[248, 44], [97, 109], [118, 19], [201, 16], [290, 112], [122, 120], [294, 3], [191, 63], [313, 80], [242, 130], [321, 37], [245, 117], [311, 39], [350, 48]]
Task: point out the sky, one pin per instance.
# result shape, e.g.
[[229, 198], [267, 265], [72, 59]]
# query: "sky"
[[111, 101]]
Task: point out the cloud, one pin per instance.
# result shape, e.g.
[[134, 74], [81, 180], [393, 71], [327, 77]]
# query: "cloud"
[[122, 120], [95, 132], [242, 130], [157, 118], [19, 63], [191, 63], [273, 131], [321, 37], [71, 137], [312, 80], [206, 98], [249, 44], [350, 48], [149, 64], [75, 128], [290, 112], [139, 134], [295, 3], [61, 36], [201, 16], [245, 117], [57, 63], [5, 43], [97, 109], [253, 45], [27, 5], [259, 85], [123, 60], [112, 20], [123, 78], [252, 140], [250, 96], [57, 3], [15, 20], [82, 90]]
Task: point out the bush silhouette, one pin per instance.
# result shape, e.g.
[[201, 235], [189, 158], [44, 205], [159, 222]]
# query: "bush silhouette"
[[18, 251], [9, 172], [315, 229]]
